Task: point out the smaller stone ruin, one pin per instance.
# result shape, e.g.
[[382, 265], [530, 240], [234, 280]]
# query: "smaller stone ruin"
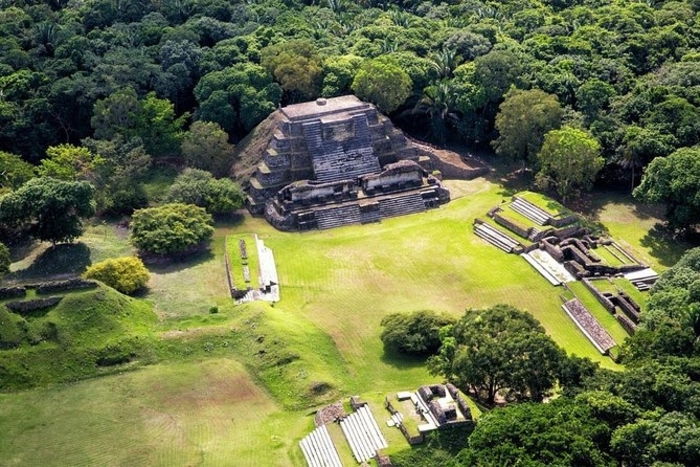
[[336, 162]]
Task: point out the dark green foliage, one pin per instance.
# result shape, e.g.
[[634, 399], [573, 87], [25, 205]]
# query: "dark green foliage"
[[499, 349], [562, 432], [171, 229], [5, 260], [52, 210], [218, 196], [673, 181], [413, 333]]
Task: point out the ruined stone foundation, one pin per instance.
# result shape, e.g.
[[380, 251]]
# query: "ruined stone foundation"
[[336, 162]]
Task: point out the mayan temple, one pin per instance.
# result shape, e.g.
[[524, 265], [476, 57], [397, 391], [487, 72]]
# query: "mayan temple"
[[338, 161]]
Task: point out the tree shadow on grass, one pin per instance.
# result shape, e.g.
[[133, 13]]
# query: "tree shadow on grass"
[[664, 246], [230, 220], [167, 265], [402, 361], [65, 259]]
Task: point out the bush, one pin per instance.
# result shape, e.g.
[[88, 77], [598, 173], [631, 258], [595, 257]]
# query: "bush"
[[127, 274], [171, 229], [217, 196], [415, 333]]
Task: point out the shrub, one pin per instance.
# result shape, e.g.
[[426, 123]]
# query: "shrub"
[[217, 196], [127, 274], [171, 229], [413, 333]]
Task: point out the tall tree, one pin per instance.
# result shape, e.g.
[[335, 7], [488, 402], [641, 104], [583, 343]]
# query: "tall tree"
[[52, 210], [171, 229], [14, 171], [523, 120], [205, 146], [570, 160], [675, 182], [499, 349], [383, 84], [296, 66]]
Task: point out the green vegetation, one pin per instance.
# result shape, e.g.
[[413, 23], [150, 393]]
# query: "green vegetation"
[[569, 160], [48, 209], [127, 275], [499, 350], [218, 196], [86, 334], [415, 333], [171, 229], [313, 350]]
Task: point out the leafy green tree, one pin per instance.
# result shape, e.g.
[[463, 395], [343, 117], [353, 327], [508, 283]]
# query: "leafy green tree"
[[68, 162], [151, 119], [497, 349], [5, 260], [237, 97], [642, 145], [496, 72], [52, 210], [14, 171], [205, 146], [674, 181], [198, 187], [159, 127], [570, 160], [384, 84], [296, 66], [128, 274], [673, 439], [338, 74], [413, 333], [115, 114], [171, 229], [562, 433], [523, 120]]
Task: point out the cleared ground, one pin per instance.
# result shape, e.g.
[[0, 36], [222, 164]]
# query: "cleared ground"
[[232, 406], [199, 413]]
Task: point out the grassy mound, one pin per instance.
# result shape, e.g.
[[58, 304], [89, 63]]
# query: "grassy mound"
[[297, 363], [86, 334]]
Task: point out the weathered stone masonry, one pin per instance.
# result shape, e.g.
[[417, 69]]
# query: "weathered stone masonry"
[[337, 162]]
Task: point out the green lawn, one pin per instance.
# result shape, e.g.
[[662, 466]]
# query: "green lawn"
[[207, 413], [320, 342]]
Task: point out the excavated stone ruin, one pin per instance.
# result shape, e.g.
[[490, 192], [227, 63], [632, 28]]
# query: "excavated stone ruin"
[[336, 162]]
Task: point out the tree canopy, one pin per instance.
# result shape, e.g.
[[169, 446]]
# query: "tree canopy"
[[171, 229], [49, 209], [570, 160], [218, 196], [413, 333], [499, 349], [674, 181], [523, 120]]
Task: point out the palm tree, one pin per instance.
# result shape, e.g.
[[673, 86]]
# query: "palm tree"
[[438, 103]]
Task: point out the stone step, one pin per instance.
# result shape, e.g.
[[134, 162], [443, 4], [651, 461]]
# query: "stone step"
[[492, 240], [530, 211], [495, 233], [370, 216], [335, 217], [407, 204]]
